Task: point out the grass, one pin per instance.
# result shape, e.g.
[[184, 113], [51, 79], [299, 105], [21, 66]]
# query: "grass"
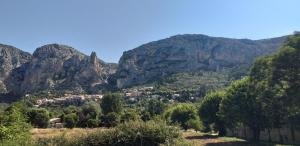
[[202, 139], [68, 133], [193, 138]]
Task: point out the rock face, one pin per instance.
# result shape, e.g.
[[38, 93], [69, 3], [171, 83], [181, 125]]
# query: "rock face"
[[59, 68], [10, 59], [185, 53]]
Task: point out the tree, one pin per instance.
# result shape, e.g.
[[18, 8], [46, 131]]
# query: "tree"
[[70, 120], [110, 120], [111, 102], [285, 80], [90, 111], [39, 118], [129, 115], [181, 114], [240, 106], [208, 110], [14, 130], [155, 107]]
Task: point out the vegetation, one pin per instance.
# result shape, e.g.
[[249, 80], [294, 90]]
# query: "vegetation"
[[133, 133], [208, 110], [264, 100], [111, 102], [185, 115], [39, 118], [14, 129]]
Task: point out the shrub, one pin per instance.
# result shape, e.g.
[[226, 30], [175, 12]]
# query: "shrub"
[[133, 133], [13, 127], [92, 123], [111, 103], [39, 118], [182, 114], [70, 120], [110, 120]]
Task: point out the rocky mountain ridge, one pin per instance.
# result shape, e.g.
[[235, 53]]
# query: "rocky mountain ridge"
[[61, 68], [188, 53], [54, 67]]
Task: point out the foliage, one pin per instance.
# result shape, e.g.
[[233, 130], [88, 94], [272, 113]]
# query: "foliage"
[[155, 107], [241, 106], [129, 115], [208, 110], [39, 118], [111, 102], [134, 133], [70, 120], [88, 115], [110, 120], [181, 114], [14, 130]]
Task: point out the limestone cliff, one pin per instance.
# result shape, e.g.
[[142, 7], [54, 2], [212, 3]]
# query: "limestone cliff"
[[185, 53]]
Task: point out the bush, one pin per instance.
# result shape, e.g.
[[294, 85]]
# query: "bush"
[[134, 133], [92, 123], [14, 130], [182, 114], [39, 118], [111, 103], [110, 120], [129, 115], [70, 120]]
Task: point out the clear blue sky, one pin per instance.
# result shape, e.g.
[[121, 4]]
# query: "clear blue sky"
[[110, 27]]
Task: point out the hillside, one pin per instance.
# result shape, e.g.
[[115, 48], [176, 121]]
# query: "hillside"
[[53, 68], [190, 53], [178, 62]]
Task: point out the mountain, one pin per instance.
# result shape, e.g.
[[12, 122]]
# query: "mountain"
[[180, 61], [10, 59], [189, 53], [58, 68]]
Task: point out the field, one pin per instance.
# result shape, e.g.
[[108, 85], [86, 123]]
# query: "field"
[[194, 138]]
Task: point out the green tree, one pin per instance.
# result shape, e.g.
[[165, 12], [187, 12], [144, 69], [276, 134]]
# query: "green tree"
[[39, 118], [90, 111], [181, 114], [110, 120], [14, 130], [70, 120], [129, 115], [240, 106], [155, 107], [208, 110], [111, 102]]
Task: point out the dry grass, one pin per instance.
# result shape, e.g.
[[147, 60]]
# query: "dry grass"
[[68, 133], [193, 138]]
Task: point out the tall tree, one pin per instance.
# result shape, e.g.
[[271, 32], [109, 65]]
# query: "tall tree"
[[208, 110], [111, 102], [241, 106]]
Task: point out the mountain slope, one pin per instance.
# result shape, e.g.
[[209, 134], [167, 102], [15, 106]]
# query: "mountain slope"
[[61, 69], [10, 59], [189, 53]]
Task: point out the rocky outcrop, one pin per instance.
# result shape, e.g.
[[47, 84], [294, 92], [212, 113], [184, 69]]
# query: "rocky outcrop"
[[10, 59], [54, 68], [62, 68], [185, 53]]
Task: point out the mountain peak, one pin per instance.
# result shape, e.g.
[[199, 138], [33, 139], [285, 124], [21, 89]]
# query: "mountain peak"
[[56, 51]]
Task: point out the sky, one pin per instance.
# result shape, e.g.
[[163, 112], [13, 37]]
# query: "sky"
[[110, 27]]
